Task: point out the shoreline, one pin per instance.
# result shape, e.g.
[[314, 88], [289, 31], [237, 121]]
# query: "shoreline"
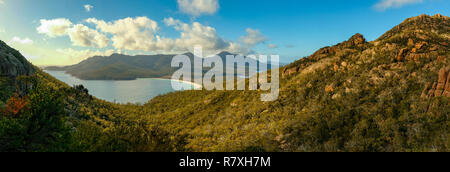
[[195, 85]]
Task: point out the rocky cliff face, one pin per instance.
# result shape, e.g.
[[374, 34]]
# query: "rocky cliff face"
[[12, 63]]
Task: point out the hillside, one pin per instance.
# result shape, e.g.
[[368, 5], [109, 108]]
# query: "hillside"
[[12, 65], [354, 96], [391, 94]]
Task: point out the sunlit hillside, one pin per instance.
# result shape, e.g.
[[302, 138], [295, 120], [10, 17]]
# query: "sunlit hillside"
[[391, 94]]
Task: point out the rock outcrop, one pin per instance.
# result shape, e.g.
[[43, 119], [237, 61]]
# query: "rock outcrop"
[[447, 87], [439, 88], [12, 63], [443, 75], [356, 41], [402, 54], [291, 71]]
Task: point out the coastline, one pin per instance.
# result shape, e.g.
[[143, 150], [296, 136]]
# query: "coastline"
[[195, 85]]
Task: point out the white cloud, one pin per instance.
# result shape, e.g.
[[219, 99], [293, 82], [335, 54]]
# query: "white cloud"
[[386, 4], [18, 40], [172, 22], [2, 2], [81, 35], [88, 7], [198, 7], [197, 34], [130, 33], [54, 27], [253, 37], [272, 46]]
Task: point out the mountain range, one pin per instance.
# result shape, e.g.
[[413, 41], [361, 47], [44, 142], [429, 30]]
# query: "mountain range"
[[387, 95], [124, 67]]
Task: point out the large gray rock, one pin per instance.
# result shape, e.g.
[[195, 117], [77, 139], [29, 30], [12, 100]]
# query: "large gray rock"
[[12, 63]]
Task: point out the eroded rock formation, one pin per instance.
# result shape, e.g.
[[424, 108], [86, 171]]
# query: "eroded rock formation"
[[439, 88]]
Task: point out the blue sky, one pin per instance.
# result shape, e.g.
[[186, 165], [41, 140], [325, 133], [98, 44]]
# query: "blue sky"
[[290, 28]]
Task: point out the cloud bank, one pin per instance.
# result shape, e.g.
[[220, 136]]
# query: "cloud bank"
[[129, 33], [142, 34]]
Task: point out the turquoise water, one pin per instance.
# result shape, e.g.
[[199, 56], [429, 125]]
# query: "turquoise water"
[[136, 91]]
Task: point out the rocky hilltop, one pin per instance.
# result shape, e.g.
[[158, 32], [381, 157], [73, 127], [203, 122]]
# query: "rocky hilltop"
[[12, 63], [419, 41], [355, 43]]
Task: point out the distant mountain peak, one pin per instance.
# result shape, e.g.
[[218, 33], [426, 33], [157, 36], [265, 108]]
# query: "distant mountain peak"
[[116, 55]]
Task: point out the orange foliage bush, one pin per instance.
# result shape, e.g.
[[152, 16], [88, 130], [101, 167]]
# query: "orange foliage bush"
[[15, 104]]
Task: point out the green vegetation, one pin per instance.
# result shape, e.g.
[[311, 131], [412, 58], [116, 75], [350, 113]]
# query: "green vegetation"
[[35, 123], [355, 96]]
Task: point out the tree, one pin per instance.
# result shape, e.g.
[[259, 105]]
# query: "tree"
[[36, 123]]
